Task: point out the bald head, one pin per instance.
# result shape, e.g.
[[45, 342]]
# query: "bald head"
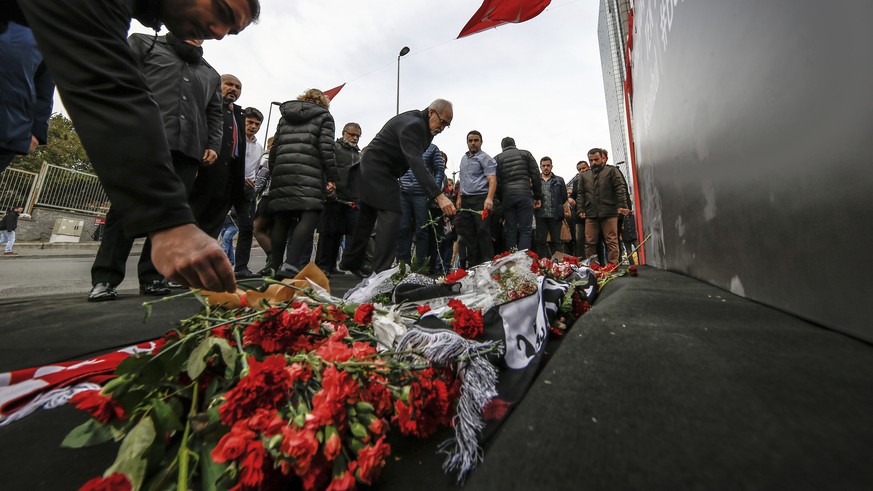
[[231, 87]]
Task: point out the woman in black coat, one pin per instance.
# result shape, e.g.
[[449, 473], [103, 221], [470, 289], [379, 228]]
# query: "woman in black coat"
[[303, 171]]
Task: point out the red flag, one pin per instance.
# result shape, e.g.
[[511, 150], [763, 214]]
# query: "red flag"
[[333, 92], [493, 13]]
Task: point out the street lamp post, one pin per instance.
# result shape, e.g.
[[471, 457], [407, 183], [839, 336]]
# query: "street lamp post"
[[403, 52], [270, 113]]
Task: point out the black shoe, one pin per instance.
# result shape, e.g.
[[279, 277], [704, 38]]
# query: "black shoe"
[[267, 271], [286, 271], [245, 273], [102, 292], [359, 273], [155, 288], [174, 285]]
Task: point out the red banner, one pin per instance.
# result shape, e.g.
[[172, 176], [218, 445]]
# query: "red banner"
[[493, 13]]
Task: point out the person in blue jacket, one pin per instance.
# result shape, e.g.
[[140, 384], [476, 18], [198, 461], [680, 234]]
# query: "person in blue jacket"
[[26, 94]]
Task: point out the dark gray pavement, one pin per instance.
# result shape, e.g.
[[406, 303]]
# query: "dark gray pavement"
[[667, 383]]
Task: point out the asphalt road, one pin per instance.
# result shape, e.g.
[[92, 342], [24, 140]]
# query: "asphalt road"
[[52, 274]]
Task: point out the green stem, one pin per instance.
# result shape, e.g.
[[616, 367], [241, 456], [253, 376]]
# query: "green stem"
[[182, 483]]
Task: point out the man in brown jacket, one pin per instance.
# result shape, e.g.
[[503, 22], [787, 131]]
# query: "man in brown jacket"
[[601, 197]]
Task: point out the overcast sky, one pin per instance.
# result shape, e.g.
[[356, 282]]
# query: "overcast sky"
[[539, 81]]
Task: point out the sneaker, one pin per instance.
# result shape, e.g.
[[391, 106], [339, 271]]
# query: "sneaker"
[[10, 253], [102, 292], [155, 288], [244, 273]]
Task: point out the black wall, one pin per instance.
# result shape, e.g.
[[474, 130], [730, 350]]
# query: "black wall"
[[753, 126]]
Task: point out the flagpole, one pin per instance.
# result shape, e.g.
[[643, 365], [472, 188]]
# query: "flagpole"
[[403, 52]]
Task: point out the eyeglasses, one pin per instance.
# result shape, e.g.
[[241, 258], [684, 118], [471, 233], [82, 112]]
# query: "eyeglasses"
[[443, 122]]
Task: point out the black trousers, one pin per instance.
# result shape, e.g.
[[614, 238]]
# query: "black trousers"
[[337, 220], [301, 225], [474, 231], [245, 212], [548, 236], [385, 249], [111, 260]]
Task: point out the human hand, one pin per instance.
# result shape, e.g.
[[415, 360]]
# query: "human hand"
[[186, 255], [331, 187], [537, 203], [250, 184], [209, 157], [489, 204], [582, 216], [33, 144], [624, 211], [446, 205], [571, 201]]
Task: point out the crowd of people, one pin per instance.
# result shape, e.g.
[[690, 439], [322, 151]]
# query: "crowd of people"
[[184, 170]]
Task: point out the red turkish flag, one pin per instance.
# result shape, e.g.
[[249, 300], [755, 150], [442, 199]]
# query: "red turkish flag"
[[493, 13], [333, 92]]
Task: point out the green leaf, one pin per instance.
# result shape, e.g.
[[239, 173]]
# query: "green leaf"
[[165, 417], [89, 433], [197, 360], [210, 470], [228, 354], [130, 459]]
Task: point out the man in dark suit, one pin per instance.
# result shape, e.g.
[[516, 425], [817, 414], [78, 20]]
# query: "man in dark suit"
[[119, 124], [220, 185], [186, 89], [397, 147]]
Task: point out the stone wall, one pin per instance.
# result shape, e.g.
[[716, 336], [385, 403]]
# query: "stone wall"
[[39, 226]]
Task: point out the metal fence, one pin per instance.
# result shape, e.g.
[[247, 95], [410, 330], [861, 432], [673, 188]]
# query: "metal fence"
[[54, 187], [16, 188]]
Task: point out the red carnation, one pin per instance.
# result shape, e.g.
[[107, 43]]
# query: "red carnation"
[[266, 386], [455, 276], [101, 407], [485, 213], [496, 409], [335, 314], [371, 460], [280, 331], [633, 271], [343, 482], [329, 404], [301, 445], [364, 314], [465, 321], [115, 482], [423, 309], [428, 406], [378, 395], [332, 442]]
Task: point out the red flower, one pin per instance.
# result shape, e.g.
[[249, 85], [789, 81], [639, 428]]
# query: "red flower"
[[423, 309], [364, 314], [465, 321], [371, 460], [254, 466], [299, 372], [301, 445], [329, 404], [378, 395], [266, 386], [279, 330], [580, 303], [572, 260], [485, 213], [455, 276], [428, 406], [101, 407], [633, 271], [501, 255], [335, 314], [332, 442], [343, 482], [234, 443], [115, 482], [353, 205], [533, 255]]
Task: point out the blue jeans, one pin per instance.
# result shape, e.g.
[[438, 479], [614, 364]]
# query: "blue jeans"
[[518, 212], [413, 224], [226, 240], [8, 238]]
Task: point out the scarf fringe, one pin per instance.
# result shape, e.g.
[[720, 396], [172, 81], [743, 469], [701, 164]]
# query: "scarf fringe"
[[478, 387], [49, 400]]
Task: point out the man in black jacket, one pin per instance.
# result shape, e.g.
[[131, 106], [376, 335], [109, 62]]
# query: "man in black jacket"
[[186, 89], [220, 186], [518, 185], [397, 147], [341, 210], [84, 45]]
